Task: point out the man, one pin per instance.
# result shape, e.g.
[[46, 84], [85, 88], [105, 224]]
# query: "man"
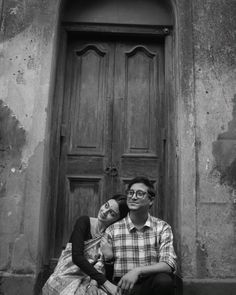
[[142, 246]]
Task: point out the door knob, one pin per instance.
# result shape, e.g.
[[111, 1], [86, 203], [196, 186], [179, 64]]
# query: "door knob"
[[114, 171], [107, 170]]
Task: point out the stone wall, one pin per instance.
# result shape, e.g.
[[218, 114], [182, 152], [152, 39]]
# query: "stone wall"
[[26, 56], [208, 227], [208, 131], [215, 97]]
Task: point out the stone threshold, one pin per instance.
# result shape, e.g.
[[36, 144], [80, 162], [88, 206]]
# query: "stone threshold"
[[17, 284], [213, 286]]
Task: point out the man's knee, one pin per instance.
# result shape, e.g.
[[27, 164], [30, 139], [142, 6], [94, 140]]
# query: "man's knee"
[[162, 280], [161, 283]]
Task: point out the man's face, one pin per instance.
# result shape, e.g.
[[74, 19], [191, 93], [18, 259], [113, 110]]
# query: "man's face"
[[137, 202]]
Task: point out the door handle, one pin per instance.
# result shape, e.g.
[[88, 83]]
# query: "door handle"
[[107, 170], [112, 171]]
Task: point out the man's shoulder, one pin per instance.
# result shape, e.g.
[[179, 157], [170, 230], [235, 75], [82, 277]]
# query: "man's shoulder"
[[118, 224], [157, 222]]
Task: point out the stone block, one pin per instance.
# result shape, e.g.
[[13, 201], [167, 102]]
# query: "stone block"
[[4, 254], [209, 287], [17, 285], [22, 260]]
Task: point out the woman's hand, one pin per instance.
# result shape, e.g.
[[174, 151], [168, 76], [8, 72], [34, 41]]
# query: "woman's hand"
[[110, 288], [106, 249], [92, 290]]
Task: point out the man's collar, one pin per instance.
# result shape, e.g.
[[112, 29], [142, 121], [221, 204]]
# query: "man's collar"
[[131, 226]]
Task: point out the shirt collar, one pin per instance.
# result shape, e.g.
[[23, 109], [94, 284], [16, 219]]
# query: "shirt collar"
[[131, 226]]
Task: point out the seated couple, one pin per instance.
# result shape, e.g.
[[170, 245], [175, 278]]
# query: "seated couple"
[[134, 250]]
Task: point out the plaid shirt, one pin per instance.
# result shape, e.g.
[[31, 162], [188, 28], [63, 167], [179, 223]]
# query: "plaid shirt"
[[133, 248]]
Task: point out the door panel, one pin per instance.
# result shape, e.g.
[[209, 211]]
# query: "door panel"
[[88, 108], [86, 141], [83, 193], [138, 80], [111, 123], [139, 76]]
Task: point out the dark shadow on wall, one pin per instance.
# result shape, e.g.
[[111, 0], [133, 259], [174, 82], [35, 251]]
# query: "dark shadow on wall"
[[16, 16], [12, 140], [224, 152]]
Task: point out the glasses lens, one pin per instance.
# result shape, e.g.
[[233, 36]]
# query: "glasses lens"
[[140, 194], [130, 193]]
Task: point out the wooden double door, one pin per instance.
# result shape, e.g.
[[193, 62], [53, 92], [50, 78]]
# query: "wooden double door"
[[111, 123]]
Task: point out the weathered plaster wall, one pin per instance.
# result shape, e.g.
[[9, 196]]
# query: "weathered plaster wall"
[[186, 138], [206, 147], [27, 32], [214, 29]]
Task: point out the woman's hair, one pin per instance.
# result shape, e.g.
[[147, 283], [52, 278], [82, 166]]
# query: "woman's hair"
[[122, 203]]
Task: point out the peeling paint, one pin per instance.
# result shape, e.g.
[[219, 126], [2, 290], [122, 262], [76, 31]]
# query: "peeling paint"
[[31, 63], [20, 77], [16, 16], [224, 152], [207, 164], [12, 141], [14, 10], [22, 262], [202, 270], [187, 255]]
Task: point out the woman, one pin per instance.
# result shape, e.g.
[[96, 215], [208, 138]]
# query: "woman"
[[80, 268]]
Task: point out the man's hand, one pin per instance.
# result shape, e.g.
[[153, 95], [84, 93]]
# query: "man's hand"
[[110, 288], [127, 282]]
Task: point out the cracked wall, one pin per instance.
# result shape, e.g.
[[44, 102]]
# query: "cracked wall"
[[27, 35], [215, 89]]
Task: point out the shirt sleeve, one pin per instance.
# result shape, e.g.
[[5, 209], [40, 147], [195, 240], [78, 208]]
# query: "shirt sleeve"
[[80, 234], [166, 250]]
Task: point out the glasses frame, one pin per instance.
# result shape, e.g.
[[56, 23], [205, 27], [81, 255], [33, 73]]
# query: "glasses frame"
[[135, 193]]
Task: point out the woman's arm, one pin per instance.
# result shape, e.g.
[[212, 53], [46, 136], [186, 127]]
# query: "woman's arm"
[[80, 234]]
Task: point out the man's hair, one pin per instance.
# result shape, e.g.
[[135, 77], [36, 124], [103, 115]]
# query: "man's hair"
[[144, 180]]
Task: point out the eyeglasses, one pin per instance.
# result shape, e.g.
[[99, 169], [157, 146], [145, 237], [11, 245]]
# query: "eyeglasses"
[[139, 194]]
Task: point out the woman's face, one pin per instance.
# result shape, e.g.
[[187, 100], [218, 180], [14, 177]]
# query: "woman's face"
[[109, 212]]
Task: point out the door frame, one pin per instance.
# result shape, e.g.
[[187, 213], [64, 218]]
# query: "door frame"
[[169, 163]]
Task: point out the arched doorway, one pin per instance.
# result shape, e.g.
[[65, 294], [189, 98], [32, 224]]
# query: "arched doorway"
[[113, 113]]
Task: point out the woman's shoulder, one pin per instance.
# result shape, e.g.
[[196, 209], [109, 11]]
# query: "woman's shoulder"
[[83, 220], [83, 217]]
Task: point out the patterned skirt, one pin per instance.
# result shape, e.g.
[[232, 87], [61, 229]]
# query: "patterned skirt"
[[67, 278]]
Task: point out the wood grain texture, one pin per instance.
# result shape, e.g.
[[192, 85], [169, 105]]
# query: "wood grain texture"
[[111, 123]]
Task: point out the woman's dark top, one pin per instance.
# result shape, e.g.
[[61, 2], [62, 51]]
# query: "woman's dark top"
[[80, 234]]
